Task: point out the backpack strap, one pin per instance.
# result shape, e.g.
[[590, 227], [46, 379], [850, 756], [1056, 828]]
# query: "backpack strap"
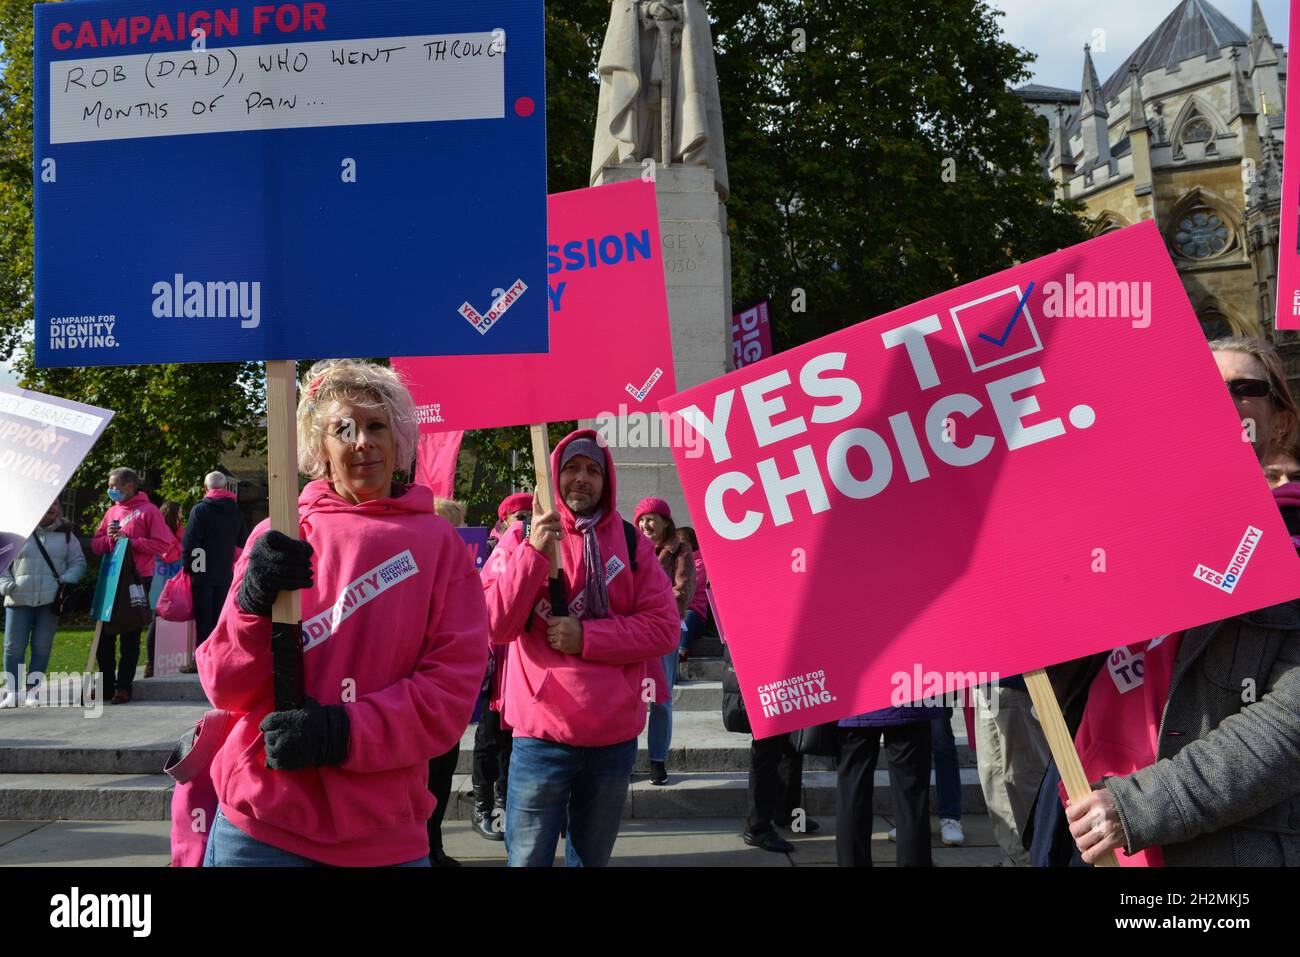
[[630, 533]]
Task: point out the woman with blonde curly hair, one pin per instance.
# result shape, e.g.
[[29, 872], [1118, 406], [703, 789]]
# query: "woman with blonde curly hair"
[[394, 644]]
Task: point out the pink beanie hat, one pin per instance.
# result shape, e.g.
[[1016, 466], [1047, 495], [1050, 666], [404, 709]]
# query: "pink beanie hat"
[[656, 506]]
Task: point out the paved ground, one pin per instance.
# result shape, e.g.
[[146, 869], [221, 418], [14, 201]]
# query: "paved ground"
[[700, 842]]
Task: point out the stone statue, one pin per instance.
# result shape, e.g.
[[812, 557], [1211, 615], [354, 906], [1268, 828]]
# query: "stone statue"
[[659, 89]]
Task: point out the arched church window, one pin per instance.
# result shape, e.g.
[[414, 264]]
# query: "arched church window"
[[1197, 130], [1202, 234]]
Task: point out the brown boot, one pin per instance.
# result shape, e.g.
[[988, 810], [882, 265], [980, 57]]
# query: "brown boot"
[[121, 697]]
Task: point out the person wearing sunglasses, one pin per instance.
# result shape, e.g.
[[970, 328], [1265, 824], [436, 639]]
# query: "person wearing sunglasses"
[[1196, 760]]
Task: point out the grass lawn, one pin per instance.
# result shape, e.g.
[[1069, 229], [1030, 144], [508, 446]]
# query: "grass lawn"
[[71, 646]]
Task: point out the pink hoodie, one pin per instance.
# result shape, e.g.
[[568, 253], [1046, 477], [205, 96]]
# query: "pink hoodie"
[[594, 698], [394, 628], [143, 525]]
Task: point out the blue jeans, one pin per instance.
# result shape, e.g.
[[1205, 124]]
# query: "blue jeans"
[[947, 775], [24, 623], [580, 789], [661, 715], [228, 846], [692, 628]]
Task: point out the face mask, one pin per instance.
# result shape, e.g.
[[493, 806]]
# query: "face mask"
[[116, 494]]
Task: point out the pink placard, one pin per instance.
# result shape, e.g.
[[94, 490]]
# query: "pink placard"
[[610, 344], [978, 485], [1288, 244], [173, 646], [751, 336]]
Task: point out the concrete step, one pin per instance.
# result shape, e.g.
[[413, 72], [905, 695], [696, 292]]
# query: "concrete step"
[[147, 797], [169, 688], [707, 647], [697, 696], [700, 743], [700, 669], [134, 738], [726, 794], [86, 797]]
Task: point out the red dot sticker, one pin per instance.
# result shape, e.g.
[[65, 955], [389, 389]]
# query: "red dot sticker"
[[524, 106]]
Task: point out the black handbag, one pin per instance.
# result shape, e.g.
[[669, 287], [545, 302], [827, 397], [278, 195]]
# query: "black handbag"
[[734, 716], [62, 596], [131, 603], [821, 740]]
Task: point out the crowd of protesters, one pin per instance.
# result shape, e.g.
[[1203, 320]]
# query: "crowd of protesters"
[[567, 647]]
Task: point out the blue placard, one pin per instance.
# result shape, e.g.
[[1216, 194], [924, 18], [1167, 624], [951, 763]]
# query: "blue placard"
[[322, 179]]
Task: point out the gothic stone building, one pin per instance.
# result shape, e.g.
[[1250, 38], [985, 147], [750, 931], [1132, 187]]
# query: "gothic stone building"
[[1187, 131]]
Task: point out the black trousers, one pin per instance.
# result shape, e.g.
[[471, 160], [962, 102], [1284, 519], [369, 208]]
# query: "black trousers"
[[209, 596], [120, 674], [492, 745], [907, 749], [441, 770], [775, 782]]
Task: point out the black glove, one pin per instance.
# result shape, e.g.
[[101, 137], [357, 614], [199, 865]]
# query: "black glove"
[[276, 563], [310, 737]]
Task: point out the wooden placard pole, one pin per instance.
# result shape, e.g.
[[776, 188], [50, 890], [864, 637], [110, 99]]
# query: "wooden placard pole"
[[545, 496], [91, 665], [1062, 745], [282, 482]]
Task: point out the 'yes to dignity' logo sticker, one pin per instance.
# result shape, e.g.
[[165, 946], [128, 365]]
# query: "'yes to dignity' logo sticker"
[[1227, 581]]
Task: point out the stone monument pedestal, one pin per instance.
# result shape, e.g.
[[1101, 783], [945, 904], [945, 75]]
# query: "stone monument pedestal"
[[697, 273]]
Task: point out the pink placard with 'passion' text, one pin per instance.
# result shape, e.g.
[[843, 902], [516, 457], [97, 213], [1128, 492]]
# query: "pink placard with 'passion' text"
[[611, 350], [1037, 466]]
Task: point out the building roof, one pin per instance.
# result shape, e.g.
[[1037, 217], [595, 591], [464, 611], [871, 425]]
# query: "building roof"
[[1194, 28], [1038, 93]]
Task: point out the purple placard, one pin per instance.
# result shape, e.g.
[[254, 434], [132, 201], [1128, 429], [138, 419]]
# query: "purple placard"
[[476, 539], [42, 441]]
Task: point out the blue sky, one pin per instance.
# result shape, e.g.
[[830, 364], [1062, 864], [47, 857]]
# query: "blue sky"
[[1057, 31]]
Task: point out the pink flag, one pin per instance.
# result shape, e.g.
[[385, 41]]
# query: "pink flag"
[[435, 461]]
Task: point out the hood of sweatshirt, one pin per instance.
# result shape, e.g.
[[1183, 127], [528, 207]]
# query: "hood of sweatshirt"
[[319, 497], [607, 497]]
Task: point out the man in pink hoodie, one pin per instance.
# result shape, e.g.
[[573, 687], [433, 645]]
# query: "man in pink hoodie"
[[576, 687], [394, 635]]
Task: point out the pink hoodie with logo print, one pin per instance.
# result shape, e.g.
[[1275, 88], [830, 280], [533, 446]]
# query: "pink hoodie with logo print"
[[594, 698], [144, 528], [395, 629]]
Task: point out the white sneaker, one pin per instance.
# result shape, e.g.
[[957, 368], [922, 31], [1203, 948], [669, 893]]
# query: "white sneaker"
[[951, 833], [11, 699], [892, 836], [33, 699]]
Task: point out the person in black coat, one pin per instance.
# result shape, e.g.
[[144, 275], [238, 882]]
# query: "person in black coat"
[[216, 528]]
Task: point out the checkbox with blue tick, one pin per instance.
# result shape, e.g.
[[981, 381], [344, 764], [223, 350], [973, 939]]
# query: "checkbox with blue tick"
[[997, 328]]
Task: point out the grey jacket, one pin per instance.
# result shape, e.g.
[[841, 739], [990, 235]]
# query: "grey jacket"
[[28, 580], [1225, 788]]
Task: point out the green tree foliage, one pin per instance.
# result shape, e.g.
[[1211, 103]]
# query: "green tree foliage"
[[836, 154], [15, 172]]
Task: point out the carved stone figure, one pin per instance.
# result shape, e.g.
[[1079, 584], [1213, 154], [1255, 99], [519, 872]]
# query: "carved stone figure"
[[659, 89]]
